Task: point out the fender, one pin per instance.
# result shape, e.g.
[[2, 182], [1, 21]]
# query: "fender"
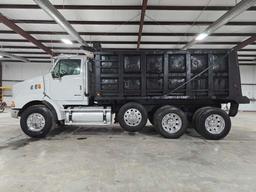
[[53, 106]]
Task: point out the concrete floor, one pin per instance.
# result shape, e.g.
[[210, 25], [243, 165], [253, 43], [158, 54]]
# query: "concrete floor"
[[108, 159]]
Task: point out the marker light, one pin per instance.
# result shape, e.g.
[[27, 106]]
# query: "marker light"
[[67, 41], [201, 36]]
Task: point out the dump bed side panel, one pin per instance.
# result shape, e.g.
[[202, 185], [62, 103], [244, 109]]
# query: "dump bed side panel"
[[193, 74]]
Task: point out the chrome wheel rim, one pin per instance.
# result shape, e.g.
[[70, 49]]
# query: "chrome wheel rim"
[[171, 123], [215, 124], [35, 122], [132, 117]]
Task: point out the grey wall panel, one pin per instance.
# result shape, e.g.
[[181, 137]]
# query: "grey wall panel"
[[13, 73], [248, 80]]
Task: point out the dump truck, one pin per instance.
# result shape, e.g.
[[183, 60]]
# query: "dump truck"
[[170, 88]]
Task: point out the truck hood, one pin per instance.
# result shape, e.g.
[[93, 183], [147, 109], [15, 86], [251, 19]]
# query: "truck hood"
[[31, 89]]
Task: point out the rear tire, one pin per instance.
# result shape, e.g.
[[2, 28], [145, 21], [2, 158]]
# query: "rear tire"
[[36, 121], [197, 115], [213, 124], [132, 117], [171, 122], [157, 112]]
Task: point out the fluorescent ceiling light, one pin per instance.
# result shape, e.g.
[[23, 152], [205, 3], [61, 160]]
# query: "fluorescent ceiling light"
[[67, 41], [1, 56], [201, 36]]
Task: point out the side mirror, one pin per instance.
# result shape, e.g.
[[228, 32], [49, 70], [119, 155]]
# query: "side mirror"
[[61, 75], [55, 76]]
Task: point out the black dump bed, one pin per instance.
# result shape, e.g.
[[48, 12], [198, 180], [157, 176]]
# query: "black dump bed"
[[168, 74]]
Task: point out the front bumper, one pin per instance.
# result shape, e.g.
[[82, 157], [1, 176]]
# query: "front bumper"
[[14, 113]]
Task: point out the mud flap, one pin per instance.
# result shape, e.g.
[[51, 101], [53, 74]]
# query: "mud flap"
[[233, 109]]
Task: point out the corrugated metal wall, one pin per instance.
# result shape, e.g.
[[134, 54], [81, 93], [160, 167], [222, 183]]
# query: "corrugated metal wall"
[[15, 72], [248, 81]]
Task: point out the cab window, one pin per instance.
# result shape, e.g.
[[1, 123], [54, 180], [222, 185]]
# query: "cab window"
[[67, 67]]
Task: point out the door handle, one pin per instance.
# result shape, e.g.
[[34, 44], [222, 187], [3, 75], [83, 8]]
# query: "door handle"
[[80, 87]]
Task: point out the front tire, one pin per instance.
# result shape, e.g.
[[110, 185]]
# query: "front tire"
[[132, 117], [36, 121]]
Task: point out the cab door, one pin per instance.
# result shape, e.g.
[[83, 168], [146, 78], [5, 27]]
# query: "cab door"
[[67, 81]]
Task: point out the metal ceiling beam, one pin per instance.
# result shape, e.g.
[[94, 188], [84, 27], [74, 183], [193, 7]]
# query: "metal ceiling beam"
[[246, 42], [58, 17], [132, 42], [5, 54], [27, 52], [31, 61], [32, 47], [42, 54], [249, 55], [243, 50], [82, 22], [128, 33], [247, 60], [248, 64], [142, 17], [231, 14], [38, 57], [123, 7], [9, 23], [77, 48], [193, 8]]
